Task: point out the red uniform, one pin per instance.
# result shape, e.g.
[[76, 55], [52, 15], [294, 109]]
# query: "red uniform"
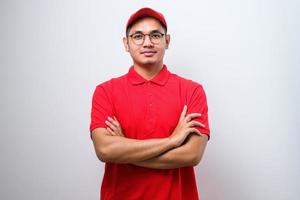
[[148, 109]]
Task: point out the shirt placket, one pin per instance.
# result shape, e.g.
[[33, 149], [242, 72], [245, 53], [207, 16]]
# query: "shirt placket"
[[151, 117]]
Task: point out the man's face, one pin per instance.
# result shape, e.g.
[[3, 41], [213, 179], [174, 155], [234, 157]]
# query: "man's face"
[[147, 52]]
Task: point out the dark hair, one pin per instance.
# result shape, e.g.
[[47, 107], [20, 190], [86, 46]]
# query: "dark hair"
[[130, 26]]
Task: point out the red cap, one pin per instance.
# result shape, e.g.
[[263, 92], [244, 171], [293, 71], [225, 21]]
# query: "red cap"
[[146, 12]]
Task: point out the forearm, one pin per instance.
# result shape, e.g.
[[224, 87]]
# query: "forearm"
[[125, 150], [189, 154], [171, 159]]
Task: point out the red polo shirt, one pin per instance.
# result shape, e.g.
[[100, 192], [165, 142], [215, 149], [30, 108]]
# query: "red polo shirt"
[[148, 109]]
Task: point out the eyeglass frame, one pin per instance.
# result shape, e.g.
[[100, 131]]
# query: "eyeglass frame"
[[144, 36]]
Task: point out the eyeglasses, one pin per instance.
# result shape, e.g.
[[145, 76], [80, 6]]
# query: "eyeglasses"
[[139, 38]]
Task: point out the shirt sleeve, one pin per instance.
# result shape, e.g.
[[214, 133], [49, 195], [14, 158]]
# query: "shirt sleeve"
[[198, 104], [101, 108]]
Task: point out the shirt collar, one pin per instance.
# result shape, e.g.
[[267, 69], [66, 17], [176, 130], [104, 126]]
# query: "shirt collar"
[[160, 79]]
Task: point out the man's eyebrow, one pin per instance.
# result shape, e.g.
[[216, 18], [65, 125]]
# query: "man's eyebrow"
[[137, 32], [155, 31]]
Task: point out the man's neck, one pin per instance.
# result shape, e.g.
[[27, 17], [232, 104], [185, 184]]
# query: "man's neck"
[[148, 72]]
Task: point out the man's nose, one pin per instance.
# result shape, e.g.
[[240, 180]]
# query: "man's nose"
[[147, 41]]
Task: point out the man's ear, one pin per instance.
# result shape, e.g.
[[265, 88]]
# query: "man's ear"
[[168, 39], [125, 42]]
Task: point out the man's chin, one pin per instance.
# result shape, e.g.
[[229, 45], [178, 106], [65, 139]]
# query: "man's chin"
[[148, 63]]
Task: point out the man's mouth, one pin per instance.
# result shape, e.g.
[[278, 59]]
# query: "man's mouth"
[[148, 53]]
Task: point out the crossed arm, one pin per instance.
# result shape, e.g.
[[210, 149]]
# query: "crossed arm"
[[151, 153], [184, 147], [189, 154]]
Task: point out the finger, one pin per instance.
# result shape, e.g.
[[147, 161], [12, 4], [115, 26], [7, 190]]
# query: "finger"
[[194, 130], [111, 131], [118, 132], [108, 133], [116, 119], [183, 113], [195, 123], [116, 126], [114, 122], [111, 126], [191, 116]]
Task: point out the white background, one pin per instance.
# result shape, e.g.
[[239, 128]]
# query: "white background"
[[244, 53]]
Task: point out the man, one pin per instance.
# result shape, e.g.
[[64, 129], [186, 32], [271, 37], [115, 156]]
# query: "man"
[[149, 126]]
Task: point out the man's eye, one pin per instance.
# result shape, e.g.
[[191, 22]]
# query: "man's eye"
[[156, 35], [137, 36]]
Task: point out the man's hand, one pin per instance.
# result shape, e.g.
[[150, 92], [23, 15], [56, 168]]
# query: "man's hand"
[[185, 126], [114, 127]]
